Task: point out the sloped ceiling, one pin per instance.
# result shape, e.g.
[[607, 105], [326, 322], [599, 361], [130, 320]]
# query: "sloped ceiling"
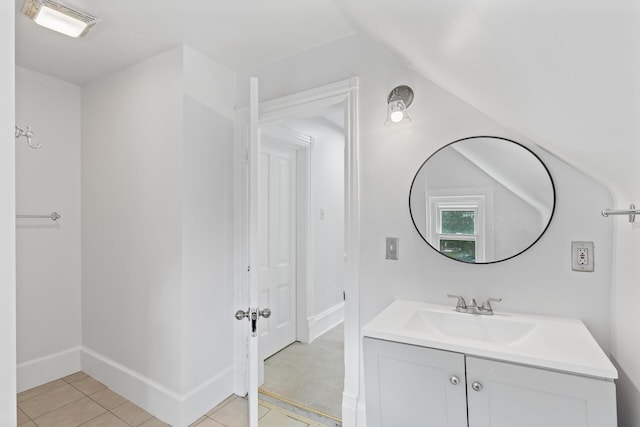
[[563, 73], [236, 34]]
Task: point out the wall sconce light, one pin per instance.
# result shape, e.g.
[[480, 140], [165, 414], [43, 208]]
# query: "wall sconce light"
[[58, 17], [399, 99]]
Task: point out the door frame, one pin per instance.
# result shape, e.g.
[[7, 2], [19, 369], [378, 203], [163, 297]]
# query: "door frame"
[[307, 103]]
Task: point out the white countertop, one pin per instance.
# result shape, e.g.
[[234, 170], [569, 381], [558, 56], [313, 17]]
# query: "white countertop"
[[547, 342]]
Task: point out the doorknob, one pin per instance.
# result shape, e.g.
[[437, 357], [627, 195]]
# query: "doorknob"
[[252, 314], [266, 313], [241, 314]]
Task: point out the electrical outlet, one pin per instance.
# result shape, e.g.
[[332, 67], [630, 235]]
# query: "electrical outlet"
[[582, 256], [392, 248]]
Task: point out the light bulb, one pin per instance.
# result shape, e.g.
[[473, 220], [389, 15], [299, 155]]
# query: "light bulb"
[[396, 116]]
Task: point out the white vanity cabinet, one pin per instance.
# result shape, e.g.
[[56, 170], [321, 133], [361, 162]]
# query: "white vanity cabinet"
[[410, 386]]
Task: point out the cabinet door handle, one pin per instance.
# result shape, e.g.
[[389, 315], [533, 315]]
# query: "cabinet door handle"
[[454, 380], [476, 386]]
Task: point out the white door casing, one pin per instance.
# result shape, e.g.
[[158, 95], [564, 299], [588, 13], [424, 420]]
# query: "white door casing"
[[277, 268], [308, 103]]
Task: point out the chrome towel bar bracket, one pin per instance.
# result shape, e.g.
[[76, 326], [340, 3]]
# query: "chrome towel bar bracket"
[[632, 212]]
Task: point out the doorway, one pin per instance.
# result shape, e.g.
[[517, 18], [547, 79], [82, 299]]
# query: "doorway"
[[302, 214], [309, 103]]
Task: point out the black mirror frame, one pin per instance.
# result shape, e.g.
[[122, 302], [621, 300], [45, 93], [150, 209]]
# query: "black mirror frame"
[[553, 209]]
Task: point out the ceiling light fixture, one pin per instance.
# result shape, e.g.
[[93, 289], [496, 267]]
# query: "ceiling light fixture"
[[399, 99], [58, 17]]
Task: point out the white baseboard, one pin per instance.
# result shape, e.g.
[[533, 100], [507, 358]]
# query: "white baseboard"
[[44, 369], [203, 398], [328, 319], [362, 414], [164, 403], [350, 408]]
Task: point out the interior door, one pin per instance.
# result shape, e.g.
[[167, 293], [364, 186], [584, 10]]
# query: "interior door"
[[255, 311], [277, 224]]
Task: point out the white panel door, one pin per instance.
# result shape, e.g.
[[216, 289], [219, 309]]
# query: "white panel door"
[[411, 386], [508, 395], [277, 274], [253, 233]]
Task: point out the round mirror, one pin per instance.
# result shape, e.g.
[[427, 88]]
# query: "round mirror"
[[482, 199]]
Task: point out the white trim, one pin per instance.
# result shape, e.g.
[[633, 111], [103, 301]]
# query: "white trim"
[[313, 102], [323, 322], [7, 216], [282, 136], [482, 200], [179, 410], [48, 368], [358, 408], [144, 392], [304, 262]]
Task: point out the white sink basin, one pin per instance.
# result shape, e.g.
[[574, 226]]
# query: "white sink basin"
[[496, 329], [548, 342]]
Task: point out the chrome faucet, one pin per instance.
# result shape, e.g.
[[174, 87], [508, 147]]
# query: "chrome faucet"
[[473, 307]]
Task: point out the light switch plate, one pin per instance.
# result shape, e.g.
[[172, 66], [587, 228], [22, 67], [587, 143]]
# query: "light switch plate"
[[392, 248], [582, 256]]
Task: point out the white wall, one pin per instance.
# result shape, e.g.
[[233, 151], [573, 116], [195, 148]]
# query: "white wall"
[[131, 217], [207, 232], [327, 194], [156, 234], [626, 337], [528, 65], [7, 218], [48, 253], [538, 281], [327, 183]]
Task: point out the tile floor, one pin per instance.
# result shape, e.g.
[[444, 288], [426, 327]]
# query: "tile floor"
[[79, 400]]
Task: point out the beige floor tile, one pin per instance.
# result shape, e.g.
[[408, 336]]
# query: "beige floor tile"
[[208, 422], [29, 424], [279, 419], [28, 394], [233, 414], [198, 421], [49, 401], [108, 399], [262, 411], [71, 415], [22, 417], [75, 377], [105, 420], [224, 402], [88, 385], [154, 422], [132, 414]]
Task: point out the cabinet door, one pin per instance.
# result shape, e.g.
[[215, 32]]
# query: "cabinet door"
[[513, 395], [412, 386]]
